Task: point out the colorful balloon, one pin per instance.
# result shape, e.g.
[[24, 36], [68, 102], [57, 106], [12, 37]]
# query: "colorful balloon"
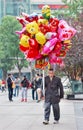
[[23, 31], [22, 21], [24, 41], [22, 48], [57, 47], [65, 31], [49, 46], [52, 57], [32, 28], [40, 38], [33, 53], [33, 43], [46, 12], [30, 18], [42, 21], [50, 35], [44, 37], [44, 28]]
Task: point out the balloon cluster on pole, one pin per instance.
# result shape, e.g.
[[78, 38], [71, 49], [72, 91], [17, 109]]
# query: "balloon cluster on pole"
[[44, 38]]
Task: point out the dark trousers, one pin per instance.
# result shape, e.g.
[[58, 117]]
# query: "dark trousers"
[[34, 94], [10, 93], [56, 111]]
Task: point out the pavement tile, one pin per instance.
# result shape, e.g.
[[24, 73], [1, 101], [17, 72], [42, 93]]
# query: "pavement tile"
[[18, 115]]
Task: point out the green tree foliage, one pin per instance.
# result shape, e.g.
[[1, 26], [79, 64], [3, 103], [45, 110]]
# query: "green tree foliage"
[[10, 54], [74, 58], [74, 6]]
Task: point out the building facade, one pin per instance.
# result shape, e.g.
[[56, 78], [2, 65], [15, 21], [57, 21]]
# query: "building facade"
[[12, 7], [15, 7]]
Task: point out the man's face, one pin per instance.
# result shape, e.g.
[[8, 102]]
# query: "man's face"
[[51, 74]]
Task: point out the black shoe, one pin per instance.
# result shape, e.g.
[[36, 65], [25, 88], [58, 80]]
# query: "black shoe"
[[11, 100], [45, 122]]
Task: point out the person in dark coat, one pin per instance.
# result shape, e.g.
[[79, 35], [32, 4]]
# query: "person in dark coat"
[[25, 86], [38, 85], [34, 93], [10, 89], [53, 94]]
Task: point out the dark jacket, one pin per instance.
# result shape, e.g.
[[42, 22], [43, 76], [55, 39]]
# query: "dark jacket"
[[25, 83], [38, 83], [53, 89], [9, 82]]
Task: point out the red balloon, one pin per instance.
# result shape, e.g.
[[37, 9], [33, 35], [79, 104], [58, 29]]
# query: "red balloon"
[[21, 20], [59, 61], [33, 53], [33, 43], [22, 48], [54, 21], [57, 47], [61, 53], [54, 24], [44, 28]]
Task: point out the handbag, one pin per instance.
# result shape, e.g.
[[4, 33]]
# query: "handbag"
[[13, 85]]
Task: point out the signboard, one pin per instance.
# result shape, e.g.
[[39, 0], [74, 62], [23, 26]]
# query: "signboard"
[[54, 6]]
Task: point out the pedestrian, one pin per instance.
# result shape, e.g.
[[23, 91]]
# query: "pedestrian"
[[34, 93], [25, 86], [10, 89], [53, 94], [17, 86], [3, 85], [38, 85]]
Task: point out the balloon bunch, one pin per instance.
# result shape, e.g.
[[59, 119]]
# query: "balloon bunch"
[[44, 36]]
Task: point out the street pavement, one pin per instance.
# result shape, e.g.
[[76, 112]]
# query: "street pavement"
[[29, 115]]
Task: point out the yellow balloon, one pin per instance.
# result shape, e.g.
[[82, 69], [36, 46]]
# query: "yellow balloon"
[[24, 41], [42, 21], [40, 38], [67, 41], [32, 27], [46, 12]]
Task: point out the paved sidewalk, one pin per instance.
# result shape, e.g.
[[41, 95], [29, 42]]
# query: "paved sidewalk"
[[18, 115]]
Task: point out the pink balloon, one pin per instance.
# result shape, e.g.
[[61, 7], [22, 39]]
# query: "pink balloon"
[[50, 35], [22, 31], [48, 47], [52, 57], [65, 31]]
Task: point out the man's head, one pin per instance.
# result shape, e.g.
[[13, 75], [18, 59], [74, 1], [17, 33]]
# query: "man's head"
[[24, 76], [9, 75], [51, 73], [37, 75]]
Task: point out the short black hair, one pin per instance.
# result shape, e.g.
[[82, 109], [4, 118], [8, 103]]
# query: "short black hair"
[[9, 74], [37, 74]]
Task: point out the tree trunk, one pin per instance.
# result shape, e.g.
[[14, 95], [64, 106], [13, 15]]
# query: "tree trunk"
[[20, 73], [4, 74]]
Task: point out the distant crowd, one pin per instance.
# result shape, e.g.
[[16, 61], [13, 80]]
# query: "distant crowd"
[[14, 85]]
